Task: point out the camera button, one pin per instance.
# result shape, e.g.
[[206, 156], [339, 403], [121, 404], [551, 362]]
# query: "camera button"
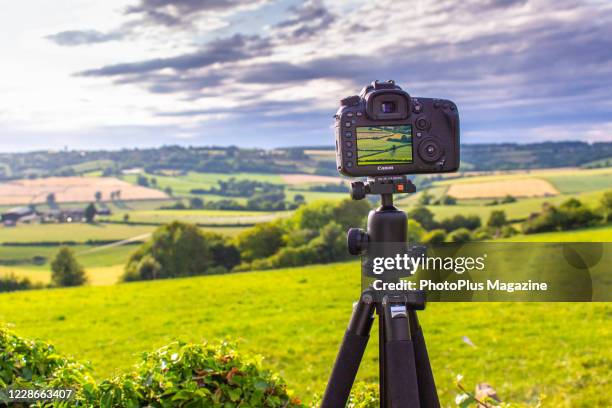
[[349, 114], [349, 164], [419, 134], [348, 134], [348, 144], [422, 123], [349, 154], [359, 114], [347, 124]]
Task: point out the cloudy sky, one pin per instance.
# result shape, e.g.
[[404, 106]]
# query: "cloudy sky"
[[133, 73]]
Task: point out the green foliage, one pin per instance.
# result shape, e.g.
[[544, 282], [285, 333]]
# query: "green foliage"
[[508, 199], [448, 200], [178, 249], [260, 241], [196, 203], [11, 283], [497, 219], [36, 364], [425, 198], [460, 235], [470, 222], [90, 213], [436, 236], [195, 375], [415, 231], [316, 233], [65, 270], [606, 206], [423, 216], [177, 375], [571, 214]]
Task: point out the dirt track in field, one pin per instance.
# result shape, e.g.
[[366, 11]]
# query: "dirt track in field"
[[72, 190], [528, 187]]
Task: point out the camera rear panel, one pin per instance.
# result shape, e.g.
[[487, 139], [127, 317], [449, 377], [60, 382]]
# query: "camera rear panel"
[[425, 141]]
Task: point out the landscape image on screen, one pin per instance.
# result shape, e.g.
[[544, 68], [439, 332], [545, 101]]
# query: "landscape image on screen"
[[384, 145]]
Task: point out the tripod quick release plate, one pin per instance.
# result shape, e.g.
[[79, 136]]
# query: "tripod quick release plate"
[[381, 186]]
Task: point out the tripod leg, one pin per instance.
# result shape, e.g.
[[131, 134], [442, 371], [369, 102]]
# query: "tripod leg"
[[401, 385], [350, 354], [427, 386]]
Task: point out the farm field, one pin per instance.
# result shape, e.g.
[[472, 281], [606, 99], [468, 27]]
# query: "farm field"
[[217, 217], [296, 318], [384, 144], [532, 187], [595, 234], [71, 190]]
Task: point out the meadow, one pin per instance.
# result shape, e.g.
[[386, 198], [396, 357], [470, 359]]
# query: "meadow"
[[296, 318]]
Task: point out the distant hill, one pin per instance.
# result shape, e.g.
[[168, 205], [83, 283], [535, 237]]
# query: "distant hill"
[[303, 159]]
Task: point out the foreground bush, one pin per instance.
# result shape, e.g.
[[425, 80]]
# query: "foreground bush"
[[178, 375]]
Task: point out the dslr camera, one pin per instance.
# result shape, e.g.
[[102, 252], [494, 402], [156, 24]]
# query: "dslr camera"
[[384, 131]]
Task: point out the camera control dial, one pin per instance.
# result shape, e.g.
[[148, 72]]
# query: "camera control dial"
[[430, 150]]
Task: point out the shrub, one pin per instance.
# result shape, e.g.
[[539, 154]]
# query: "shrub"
[[423, 216], [436, 236], [470, 222], [497, 219], [65, 270], [571, 214], [36, 364], [460, 235], [178, 249], [11, 283], [178, 375], [202, 375], [260, 241], [415, 231]]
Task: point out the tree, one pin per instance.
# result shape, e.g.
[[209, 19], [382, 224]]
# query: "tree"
[[90, 212], [436, 236], [168, 190], [65, 270], [460, 235], [142, 181], [176, 249], [299, 199], [606, 205], [98, 196], [415, 232], [448, 200], [423, 216], [260, 241], [497, 219], [425, 198], [126, 218], [51, 200], [196, 203]]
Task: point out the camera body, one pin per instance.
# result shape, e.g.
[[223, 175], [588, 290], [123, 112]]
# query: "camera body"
[[385, 131]]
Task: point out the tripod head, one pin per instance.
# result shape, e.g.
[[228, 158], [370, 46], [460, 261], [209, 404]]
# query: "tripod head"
[[387, 223], [384, 186]]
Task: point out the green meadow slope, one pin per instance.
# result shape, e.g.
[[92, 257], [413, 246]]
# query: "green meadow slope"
[[296, 318]]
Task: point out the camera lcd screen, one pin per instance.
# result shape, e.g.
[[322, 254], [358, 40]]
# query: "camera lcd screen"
[[384, 145]]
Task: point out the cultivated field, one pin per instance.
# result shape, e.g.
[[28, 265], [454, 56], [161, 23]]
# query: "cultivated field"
[[296, 319], [527, 187], [72, 190], [297, 179], [384, 144]]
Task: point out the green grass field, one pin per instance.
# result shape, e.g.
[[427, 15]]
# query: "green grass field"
[[296, 318], [219, 217], [384, 145]]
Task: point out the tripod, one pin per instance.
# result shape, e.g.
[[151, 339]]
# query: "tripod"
[[405, 376]]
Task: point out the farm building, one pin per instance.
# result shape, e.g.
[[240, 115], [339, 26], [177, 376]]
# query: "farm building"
[[18, 214], [64, 215]]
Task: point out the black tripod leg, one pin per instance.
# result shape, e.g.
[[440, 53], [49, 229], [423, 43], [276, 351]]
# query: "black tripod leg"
[[427, 386], [350, 354], [401, 385]]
